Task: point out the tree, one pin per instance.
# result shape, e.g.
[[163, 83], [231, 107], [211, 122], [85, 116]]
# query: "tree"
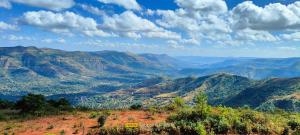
[[32, 104], [38, 105], [6, 104], [62, 104], [201, 106]]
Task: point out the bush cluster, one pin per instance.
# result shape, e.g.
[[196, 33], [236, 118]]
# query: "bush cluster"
[[35, 106], [202, 119]]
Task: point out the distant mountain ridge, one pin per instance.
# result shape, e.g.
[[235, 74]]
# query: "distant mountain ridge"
[[111, 79], [256, 68], [58, 62], [52, 71]]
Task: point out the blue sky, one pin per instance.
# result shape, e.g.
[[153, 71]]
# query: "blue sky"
[[231, 28]]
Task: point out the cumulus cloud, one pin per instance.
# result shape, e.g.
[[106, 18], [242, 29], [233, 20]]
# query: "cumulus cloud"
[[5, 26], [92, 9], [5, 4], [198, 18], [206, 6], [247, 22], [130, 25], [91, 42], [271, 17], [49, 40], [128, 4], [56, 5], [254, 35], [67, 22], [293, 36], [16, 38]]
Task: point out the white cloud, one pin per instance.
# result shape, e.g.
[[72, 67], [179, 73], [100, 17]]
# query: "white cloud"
[[49, 40], [130, 25], [56, 5], [65, 23], [198, 18], [16, 38], [149, 12], [190, 41], [286, 48], [254, 35], [5, 4], [5, 26], [206, 6], [271, 17], [293, 36], [207, 20], [91, 43], [92, 9], [128, 4]]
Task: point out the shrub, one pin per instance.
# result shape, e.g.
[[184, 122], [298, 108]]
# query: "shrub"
[[178, 102], [136, 106], [165, 128], [101, 120], [119, 131], [3, 116], [93, 115], [6, 104], [200, 129], [297, 132], [264, 130], [187, 128], [241, 128], [152, 110], [62, 132], [293, 124], [249, 116], [186, 114], [50, 127], [222, 126], [286, 131], [61, 104]]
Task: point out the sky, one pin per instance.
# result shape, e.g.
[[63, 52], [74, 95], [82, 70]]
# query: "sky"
[[215, 28]]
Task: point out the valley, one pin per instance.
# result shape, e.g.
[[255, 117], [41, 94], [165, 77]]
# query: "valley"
[[110, 79]]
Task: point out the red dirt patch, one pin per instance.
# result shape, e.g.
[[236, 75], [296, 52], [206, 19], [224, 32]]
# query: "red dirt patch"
[[79, 123], [53, 125], [120, 118]]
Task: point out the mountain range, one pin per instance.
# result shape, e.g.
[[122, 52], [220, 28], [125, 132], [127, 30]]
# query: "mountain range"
[[255, 68], [111, 79]]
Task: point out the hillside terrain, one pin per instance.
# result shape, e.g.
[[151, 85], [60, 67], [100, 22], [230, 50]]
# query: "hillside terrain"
[[48, 71], [222, 89], [110, 79]]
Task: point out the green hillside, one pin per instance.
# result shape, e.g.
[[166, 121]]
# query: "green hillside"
[[50, 71], [222, 89]]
